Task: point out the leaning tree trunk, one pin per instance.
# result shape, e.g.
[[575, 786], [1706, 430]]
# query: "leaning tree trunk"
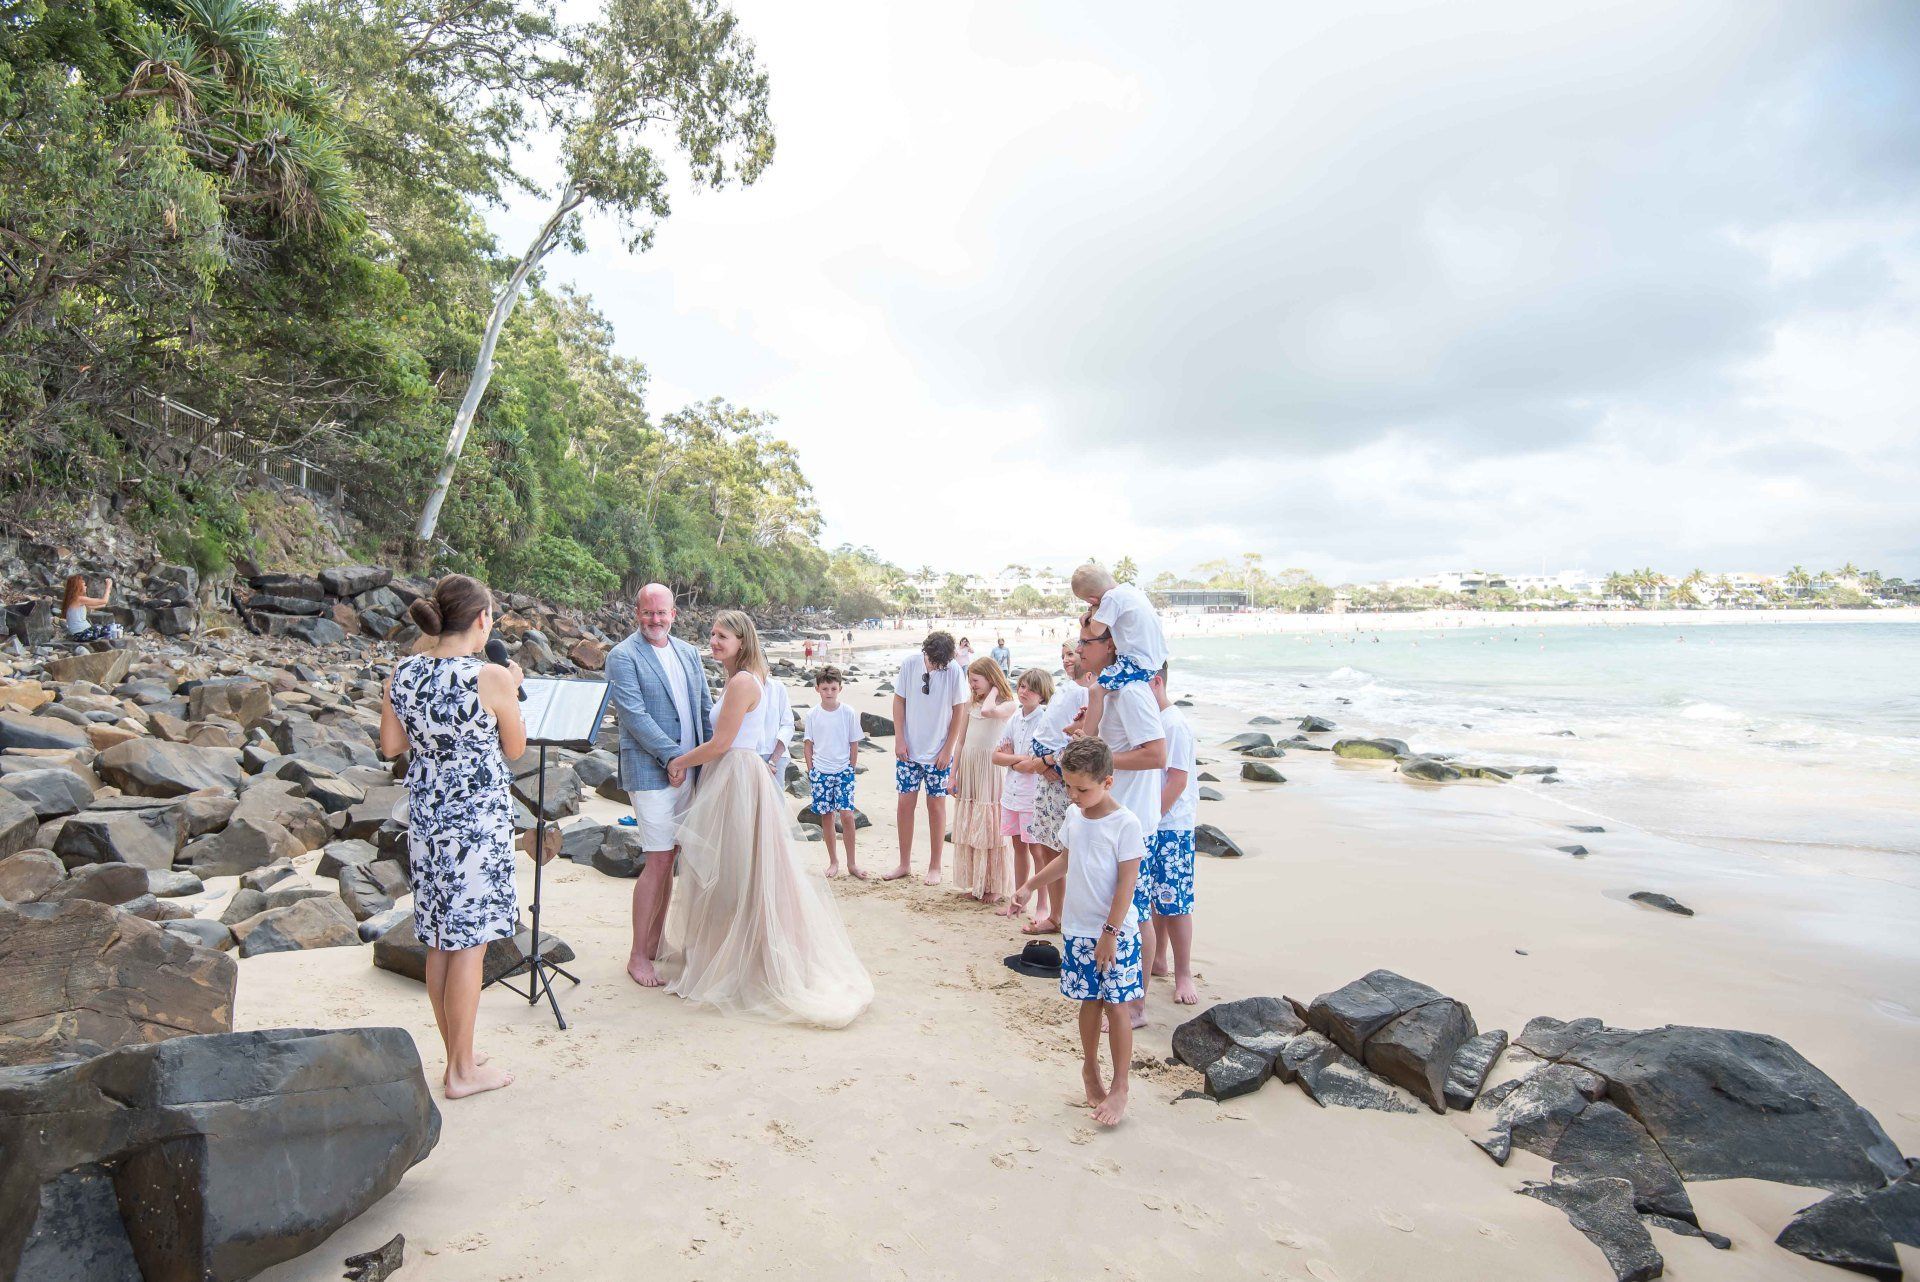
[[570, 199]]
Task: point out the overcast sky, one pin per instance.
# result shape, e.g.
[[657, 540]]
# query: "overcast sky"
[[1373, 289]]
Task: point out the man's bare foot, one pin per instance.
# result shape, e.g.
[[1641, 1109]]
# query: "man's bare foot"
[[1110, 1110], [904, 870], [1045, 926], [934, 878], [1161, 970], [481, 1079], [1137, 1013], [833, 870], [1096, 1089], [1184, 992], [641, 971], [858, 874]]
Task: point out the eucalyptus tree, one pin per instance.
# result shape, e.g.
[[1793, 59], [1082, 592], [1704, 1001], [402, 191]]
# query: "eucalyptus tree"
[[652, 74]]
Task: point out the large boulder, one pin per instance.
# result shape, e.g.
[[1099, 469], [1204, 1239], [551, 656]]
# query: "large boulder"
[[1471, 1064], [239, 699], [148, 837], [1354, 1012], [241, 846], [562, 791], [1370, 749], [401, 952], [1260, 772], [106, 668], [18, 730], [1209, 840], [81, 977], [874, 724], [1416, 1050], [1235, 1044], [102, 883], [1331, 1077], [314, 631], [1858, 1231], [319, 921], [340, 855], [295, 585], [278, 801], [210, 1157], [150, 768], [1602, 1209], [18, 824], [1428, 770], [1249, 741], [50, 793], [370, 889], [28, 874], [352, 580]]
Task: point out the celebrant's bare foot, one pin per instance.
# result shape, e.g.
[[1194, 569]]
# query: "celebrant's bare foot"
[[934, 878], [1184, 992], [1045, 926], [904, 870], [641, 971], [1114, 1107], [1096, 1089], [481, 1079]]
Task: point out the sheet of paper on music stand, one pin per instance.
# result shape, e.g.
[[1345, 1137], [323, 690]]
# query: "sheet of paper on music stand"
[[564, 712]]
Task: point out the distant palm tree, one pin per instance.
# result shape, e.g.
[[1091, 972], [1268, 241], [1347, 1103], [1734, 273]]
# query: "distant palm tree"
[[1798, 580]]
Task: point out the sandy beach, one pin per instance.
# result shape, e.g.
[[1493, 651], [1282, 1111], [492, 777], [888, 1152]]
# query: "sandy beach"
[[942, 1135]]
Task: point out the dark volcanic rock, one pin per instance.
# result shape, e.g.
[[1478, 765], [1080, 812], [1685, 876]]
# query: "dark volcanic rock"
[[1724, 1104], [1428, 770], [1550, 1038], [1260, 772], [1330, 1076], [1534, 1112], [101, 883], [321, 921], [1370, 749], [1212, 794], [1315, 725], [1577, 851], [370, 889], [1251, 739], [18, 730], [28, 874], [339, 855], [562, 788], [205, 1157], [49, 793], [1237, 1072], [1858, 1230], [811, 819], [579, 842], [619, 854], [1209, 840], [150, 768], [203, 931], [18, 824], [1471, 1064], [1602, 1141], [243, 845], [378, 1264], [80, 978], [352, 580], [1416, 1050], [874, 724], [1602, 1209], [145, 838], [401, 952], [1666, 903], [1352, 1013]]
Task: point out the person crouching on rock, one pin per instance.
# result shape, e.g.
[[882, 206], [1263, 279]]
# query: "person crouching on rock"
[[74, 604], [457, 717]]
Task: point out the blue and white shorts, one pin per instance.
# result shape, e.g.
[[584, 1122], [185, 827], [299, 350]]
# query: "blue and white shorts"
[[1083, 981], [832, 790], [909, 776], [1122, 672], [1170, 870]]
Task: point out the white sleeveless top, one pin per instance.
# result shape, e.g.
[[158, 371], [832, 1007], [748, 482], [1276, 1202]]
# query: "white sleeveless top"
[[764, 727]]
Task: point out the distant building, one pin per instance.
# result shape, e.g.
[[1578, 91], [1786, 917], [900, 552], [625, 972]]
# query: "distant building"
[[1202, 600]]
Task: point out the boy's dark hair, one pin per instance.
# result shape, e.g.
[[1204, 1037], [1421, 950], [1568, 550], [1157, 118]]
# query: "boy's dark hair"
[[826, 674], [1087, 755], [938, 649]]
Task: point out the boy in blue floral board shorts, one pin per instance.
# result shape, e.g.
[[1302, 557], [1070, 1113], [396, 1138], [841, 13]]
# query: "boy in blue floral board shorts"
[[1100, 928], [929, 715], [833, 744], [1170, 850]]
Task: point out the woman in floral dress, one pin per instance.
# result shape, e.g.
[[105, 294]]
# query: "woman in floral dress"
[[457, 718]]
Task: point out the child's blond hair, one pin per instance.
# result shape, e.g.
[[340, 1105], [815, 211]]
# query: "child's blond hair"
[[995, 678], [1091, 577]]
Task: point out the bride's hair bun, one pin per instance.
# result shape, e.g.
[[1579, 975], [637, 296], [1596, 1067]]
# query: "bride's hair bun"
[[427, 615]]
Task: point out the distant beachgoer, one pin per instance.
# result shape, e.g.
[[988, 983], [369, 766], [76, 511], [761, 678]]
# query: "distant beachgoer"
[[1002, 656], [457, 717], [1100, 964], [964, 655], [74, 604], [929, 714], [1050, 802], [806, 651], [1169, 865], [979, 850], [1129, 619], [1015, 751], [832, 747]]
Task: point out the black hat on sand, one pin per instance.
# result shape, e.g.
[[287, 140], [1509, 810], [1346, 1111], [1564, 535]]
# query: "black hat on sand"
[[1039, 958]]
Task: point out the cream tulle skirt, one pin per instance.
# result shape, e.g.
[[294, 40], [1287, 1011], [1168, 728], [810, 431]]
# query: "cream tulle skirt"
[[750, 932]]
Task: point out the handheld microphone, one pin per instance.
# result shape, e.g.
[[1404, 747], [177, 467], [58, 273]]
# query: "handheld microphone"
[[497, 653]]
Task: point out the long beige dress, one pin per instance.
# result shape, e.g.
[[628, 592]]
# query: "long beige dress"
[[982, 865]]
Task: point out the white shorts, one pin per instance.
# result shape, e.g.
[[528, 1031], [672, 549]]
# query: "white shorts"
[[658, 812]]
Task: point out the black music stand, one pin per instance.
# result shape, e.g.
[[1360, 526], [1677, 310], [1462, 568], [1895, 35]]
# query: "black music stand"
[[560, 714]]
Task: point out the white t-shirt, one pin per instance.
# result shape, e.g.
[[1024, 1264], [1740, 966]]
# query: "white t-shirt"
[[1131, 718], [1095, 850], [1050, 731], [1180, 756], [1016, 792], [1135, 625], [831, 732], [929, 715], [676, 674]]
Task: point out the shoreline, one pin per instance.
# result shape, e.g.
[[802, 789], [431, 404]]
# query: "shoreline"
[[886, 1148]]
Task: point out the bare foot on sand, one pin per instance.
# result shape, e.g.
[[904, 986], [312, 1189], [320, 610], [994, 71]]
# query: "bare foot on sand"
[[481, 1079], [833, 870], [1110, 1110], [1161, 970], [1045, 926], [857, 874], [934, 878], [1012, 909], [641, 972], [904, 870], [1137, 1013], [1096, 1089], [1185, 993]]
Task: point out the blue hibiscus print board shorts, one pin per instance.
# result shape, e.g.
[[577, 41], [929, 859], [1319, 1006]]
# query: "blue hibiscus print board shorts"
[[1083, 981], [832, 790], [1122, 671], [1170, 870], [910, 776]]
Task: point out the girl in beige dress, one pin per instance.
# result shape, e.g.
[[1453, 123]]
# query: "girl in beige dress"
[[980, 862]]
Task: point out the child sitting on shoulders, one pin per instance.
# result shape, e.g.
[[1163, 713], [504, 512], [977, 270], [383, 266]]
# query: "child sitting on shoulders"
[[1021, 786], [833, 743], [1123, 612], [1100, 963]]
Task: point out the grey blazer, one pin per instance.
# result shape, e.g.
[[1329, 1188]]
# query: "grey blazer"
[[649, 726]]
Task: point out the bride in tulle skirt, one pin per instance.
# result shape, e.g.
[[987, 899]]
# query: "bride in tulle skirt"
[[751, 933]]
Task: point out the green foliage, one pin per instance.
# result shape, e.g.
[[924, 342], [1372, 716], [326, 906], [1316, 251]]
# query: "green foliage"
[[559, 569]]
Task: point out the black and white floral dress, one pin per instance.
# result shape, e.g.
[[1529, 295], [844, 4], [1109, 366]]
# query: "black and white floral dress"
[[460, 838]]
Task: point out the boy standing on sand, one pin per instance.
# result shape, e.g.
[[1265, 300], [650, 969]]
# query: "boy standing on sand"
[[833, 745], [929, 715], [1170, 850], [1140, 648], [1100, 964]]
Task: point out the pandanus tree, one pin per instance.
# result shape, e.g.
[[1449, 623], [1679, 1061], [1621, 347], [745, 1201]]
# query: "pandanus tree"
[[653, 73]]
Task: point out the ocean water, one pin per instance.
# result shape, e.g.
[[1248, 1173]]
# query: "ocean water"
[[1794, 741]]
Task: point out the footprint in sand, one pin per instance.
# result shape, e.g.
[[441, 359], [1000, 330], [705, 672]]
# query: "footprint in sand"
[[1282, 1236], [785, 1140], [1323, 1271], [1395, 1220]]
